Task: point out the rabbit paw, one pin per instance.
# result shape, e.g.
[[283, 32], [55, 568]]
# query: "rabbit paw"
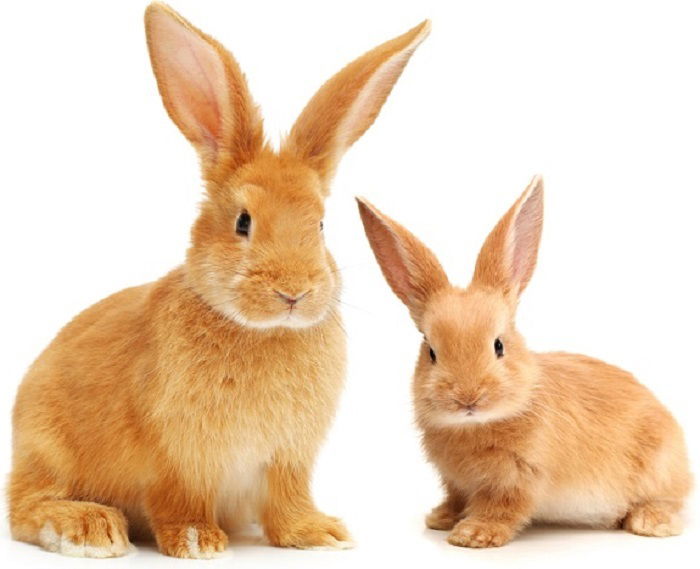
[[316, 531], [442, 517], [83, 529], [653, 520], [474, 533], [191, 541]]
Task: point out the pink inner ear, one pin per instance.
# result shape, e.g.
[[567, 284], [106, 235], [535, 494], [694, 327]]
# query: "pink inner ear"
[[526, 237], [193, 87], [194, 78], [388, 255]]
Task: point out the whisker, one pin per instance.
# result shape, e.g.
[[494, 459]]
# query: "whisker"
[[353, 306], [338, 321]]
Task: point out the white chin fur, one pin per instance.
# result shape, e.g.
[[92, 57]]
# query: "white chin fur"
[[284, 320], [455, 419]]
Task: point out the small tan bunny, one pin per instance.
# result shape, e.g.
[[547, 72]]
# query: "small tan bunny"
[[518, 436], [194, 404]]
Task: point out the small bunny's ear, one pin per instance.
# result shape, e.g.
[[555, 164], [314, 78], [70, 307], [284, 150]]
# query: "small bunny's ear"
[[203, 90], [509, 254], [348, 103], [410, 268]]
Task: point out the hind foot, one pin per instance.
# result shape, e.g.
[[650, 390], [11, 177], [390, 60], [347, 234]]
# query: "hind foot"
[[655, 519], [84, 529], [442, 517]]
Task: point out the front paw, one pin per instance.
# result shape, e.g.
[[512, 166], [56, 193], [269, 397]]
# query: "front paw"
[[442, 517], [191, 541], [312, 531], [475, 533]]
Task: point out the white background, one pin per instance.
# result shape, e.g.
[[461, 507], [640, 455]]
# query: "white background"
[[603, 98]]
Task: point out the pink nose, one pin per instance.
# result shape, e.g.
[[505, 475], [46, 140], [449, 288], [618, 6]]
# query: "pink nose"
[[470, 408], [291, 300]]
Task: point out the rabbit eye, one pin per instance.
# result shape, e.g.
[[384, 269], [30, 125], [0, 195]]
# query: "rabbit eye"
[[243, 224], [498, 348], [433, 357], [320, 225]]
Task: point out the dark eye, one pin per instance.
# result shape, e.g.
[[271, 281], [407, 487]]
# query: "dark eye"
[[433, 357], [498, 348], [320, 225], [243, 224]]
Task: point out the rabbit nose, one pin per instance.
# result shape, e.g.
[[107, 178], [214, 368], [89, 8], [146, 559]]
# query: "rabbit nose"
[[291, 299], [469, 407]]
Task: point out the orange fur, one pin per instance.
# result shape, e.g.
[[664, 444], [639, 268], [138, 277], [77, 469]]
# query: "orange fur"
[[552, 437], [189, 406]]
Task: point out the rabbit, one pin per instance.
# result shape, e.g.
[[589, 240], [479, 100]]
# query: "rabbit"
[[185, 408], [518, 436]]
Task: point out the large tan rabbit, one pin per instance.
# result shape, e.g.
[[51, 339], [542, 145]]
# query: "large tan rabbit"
[[519, 436], [192, 404]]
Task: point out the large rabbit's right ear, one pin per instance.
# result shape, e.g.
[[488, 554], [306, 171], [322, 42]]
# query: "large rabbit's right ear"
[[203, 90], [411, 269], [348, 103], [509, 254]]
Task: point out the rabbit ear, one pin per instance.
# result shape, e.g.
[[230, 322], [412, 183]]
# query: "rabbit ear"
[[203, 90], [410, 268], [347, 104], [509, 254]]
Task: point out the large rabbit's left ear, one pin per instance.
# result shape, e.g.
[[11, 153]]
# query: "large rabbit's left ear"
[[509, 254], [348, 103]]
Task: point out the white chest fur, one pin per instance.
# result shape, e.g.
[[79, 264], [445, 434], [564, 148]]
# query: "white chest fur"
[[595, 506], [242, 487]]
